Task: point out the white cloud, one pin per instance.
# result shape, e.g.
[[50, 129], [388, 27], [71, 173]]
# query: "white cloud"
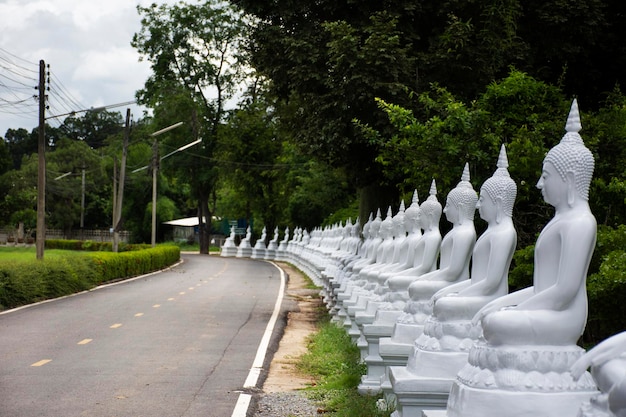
[[86, 44]]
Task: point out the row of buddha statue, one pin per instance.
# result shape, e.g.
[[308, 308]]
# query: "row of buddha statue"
[[433, 317]]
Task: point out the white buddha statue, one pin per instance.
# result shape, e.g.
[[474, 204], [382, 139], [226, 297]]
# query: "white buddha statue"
[[455, 252], [259, 249], [608, 368], [245, 249], [442, 350], [522, 366], [491, 258], [229, 248]]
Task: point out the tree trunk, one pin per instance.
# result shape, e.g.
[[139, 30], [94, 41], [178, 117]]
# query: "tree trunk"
[[374, 197], [204, 229]]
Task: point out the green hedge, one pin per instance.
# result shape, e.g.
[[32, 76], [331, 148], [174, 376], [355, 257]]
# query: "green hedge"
[[27, 282]]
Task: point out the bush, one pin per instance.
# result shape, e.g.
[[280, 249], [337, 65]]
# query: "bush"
[[27, 282], [606, 290]]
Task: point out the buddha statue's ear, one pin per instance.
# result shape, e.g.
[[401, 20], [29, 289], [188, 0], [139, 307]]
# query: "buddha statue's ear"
[[499, 209], [571, 187]]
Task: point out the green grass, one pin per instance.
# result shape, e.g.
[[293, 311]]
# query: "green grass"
[[333, 360], [23, 253]]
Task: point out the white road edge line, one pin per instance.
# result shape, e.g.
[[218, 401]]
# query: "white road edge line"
[[241, 408]]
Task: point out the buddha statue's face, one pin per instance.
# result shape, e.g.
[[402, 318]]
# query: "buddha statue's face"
[[451, 211], [553, 187], [487, 208]]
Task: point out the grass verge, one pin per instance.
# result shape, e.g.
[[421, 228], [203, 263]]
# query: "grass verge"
[[334, 362]]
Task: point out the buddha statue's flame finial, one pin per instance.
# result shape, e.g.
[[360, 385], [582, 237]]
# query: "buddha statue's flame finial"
[[503, 160], [573, 124], [389, 213], [416, 199], [466, 175], [433, 189], [378, 213], [402, 207]]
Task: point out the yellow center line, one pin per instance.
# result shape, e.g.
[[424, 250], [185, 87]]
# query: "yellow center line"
[[84, 341], [42, 362], [156, 305], [191, 288], [170, 299], [182, 293], [116, 325], [138, 314]]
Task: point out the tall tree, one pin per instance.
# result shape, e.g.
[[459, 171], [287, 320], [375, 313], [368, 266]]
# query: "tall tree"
[[93, 127], [194, 54]]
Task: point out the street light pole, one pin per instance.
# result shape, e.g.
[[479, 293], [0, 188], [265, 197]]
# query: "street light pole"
[[155, 167]]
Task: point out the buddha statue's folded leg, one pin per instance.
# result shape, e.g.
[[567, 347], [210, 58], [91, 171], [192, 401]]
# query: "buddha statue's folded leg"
[[531, 327], [421, 290], [458, 308]]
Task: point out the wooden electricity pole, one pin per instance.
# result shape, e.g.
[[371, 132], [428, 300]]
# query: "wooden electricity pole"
[[41, 172], [117, 201]]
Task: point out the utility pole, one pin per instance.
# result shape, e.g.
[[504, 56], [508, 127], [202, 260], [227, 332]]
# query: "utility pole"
[[82, 203], [41, 172], [117, 202], [155, 168]]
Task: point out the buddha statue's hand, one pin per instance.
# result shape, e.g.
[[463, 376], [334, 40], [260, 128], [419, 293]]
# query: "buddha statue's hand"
[[485, 311], [580, 366]]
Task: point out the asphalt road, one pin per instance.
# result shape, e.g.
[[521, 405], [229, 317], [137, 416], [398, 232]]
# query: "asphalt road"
[[175, 343]]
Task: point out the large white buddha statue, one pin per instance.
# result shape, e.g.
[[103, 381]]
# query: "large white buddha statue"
[[608, 368], [522, 366], [442, 350]]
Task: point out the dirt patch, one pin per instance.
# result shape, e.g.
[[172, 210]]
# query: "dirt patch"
[[283, 375]]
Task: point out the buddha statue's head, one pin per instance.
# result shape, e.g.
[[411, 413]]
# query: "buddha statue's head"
[[375, 225], [356, 227], [430, 210], [412, 213], [366, 227], [463, 196], [571, 158], [399, 220], [386, 226], [501, 188]]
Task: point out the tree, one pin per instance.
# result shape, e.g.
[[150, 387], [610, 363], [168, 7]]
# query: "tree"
[[93, 127], [195, 61], [251, 150], [64, 196], [525, 114]]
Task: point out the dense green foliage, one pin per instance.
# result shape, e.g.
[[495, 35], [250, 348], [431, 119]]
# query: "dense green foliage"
[[27, 281]]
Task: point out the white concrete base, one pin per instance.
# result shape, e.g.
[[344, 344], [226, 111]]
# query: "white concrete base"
[[414, 394], [434, 413], [467, 401], [228, 251]]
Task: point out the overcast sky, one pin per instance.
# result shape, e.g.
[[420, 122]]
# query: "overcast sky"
[[87, 45]]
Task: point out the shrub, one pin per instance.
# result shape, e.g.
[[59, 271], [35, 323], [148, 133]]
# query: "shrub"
[[27, 282], [606, 290]]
